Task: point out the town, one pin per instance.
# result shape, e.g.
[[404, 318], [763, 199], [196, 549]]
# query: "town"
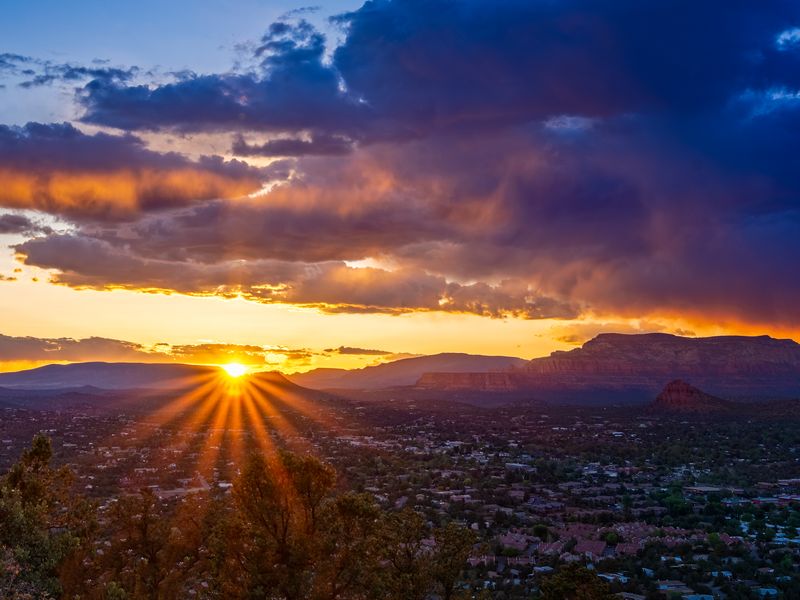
[[657, 506]]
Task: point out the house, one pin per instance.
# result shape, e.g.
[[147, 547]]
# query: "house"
[[671, 585], [515, 540], [593, 549]]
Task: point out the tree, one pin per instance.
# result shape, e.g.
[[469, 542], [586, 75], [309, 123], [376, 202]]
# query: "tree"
[[290, 537], [152, 552], [453, 546], [408, 572], [270, 542], [575, 582], [45, 529], [349, 548], [285, 536]]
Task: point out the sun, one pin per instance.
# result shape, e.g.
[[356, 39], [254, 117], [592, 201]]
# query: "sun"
[[235, 369]]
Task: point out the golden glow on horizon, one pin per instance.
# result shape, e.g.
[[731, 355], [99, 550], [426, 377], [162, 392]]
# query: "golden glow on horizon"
[[163, 320], [235, 370]]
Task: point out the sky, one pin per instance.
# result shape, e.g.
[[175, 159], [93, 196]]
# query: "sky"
[[297, 186]]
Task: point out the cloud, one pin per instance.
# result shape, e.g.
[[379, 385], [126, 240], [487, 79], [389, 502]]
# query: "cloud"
[[69, 73], [357, 351], [470, 229], [35, 72], [47, 350], [292, 89], [58, 169], [322, 144], [68, 349], [530, 159], [409, 67], [11, 223], [27, 352], [788, 39], [578, 333], [85, 262]]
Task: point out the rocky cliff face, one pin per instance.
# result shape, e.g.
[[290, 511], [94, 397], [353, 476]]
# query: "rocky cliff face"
[[669, 355], [489, 382], [634, 368]]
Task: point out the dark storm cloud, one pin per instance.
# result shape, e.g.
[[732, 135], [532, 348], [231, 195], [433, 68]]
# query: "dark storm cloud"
[[318, 145], [86, 262], [344, 211], [292, 89], [61, 170], [414, 65], [533, 158]]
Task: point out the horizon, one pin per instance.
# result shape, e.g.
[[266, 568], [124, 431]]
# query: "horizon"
[[232, 359]]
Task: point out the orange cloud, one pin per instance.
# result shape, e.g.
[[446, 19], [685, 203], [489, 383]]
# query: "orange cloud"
[[58, 169], [119, 194]]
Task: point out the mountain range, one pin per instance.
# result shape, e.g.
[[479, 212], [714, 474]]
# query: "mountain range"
[[403, 372], [634, 368], [144, 387], [107, 376], [611, 368]]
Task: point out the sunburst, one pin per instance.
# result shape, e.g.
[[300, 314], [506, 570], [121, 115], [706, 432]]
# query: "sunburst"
[[235, 370]]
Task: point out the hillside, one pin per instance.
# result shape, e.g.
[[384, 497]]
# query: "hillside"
[[682, 397], [134, 387], [107, 376], [403, 372]]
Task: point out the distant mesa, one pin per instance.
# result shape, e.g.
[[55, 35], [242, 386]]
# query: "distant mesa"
[[404, 372], [633, 368]]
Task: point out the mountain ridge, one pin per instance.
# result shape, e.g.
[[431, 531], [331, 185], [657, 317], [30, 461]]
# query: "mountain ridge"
[[403, 372], [106, 376], [635, 367]]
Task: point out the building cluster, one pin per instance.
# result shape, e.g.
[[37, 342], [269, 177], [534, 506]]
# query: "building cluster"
[[656, 507]]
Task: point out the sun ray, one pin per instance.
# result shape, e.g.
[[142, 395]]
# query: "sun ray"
[[289, 399], [215, 433], [263, 438]]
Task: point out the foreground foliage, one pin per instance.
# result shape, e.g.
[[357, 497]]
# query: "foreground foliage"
[[284, 532]]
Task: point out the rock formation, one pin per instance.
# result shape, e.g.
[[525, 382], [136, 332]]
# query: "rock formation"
[[679, 396]]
